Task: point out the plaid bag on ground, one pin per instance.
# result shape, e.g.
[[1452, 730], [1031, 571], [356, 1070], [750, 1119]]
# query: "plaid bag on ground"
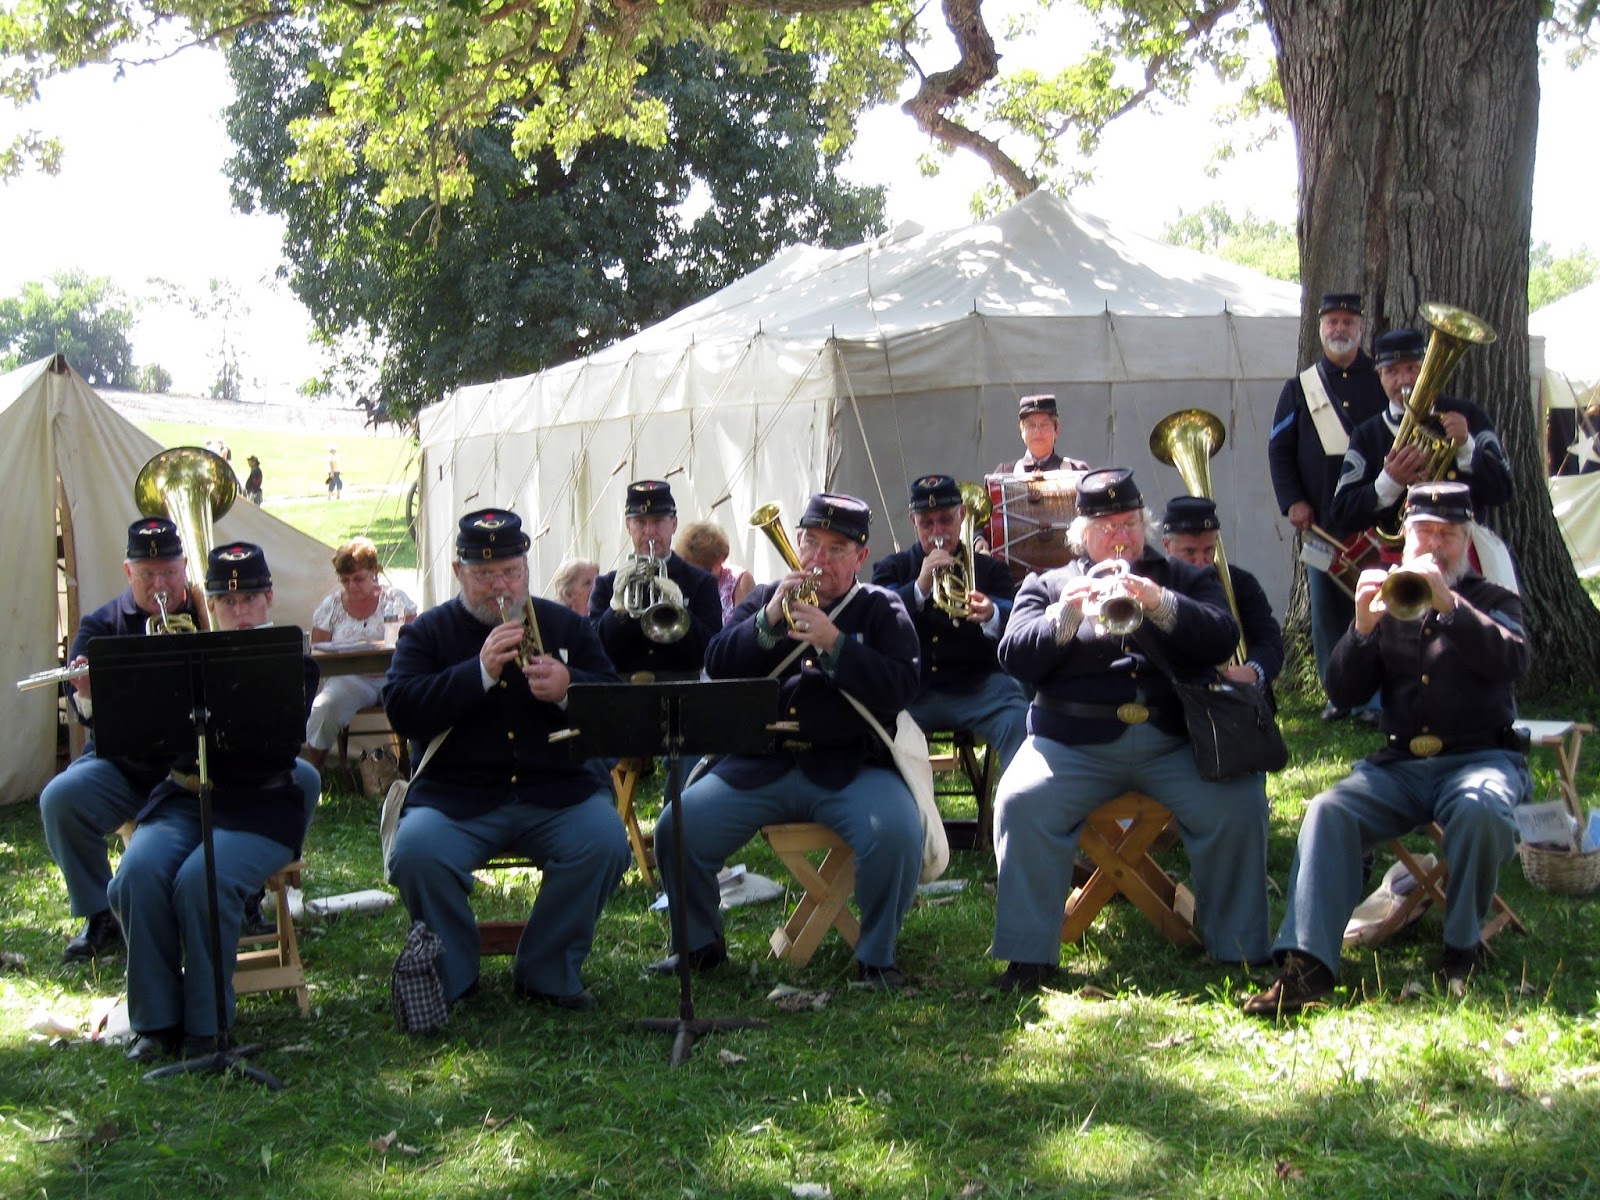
[[414, 985]]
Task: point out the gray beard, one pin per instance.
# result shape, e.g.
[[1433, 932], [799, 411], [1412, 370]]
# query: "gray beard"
[[1335, 346], [489, 613]]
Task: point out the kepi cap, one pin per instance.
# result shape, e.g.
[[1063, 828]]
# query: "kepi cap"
[[1190, 514], [1399, 345], [1106, 491], [1042, 403], [934, 491], [650, 498], [154, 537], [237, 567], [1447, 501], [490, 534], [845, 515], [1340, 302]]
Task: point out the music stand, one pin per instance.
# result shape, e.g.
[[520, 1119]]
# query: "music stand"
[[638, 720], [236, 692]]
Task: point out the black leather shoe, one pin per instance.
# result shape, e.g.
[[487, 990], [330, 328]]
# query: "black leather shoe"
[[255, 922], [1369, 716], [154, 1046], [1460, 964], [1301, 983], [198, 1045], [1026, 977], [1334, 713], [581, 1001], [707, 958], [880, 979], [99, 933]]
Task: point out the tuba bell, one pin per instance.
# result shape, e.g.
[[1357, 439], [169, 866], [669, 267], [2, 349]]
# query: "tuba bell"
[[192, 487], [951, 584], [645, 600], [1188, 440], [769, 520]]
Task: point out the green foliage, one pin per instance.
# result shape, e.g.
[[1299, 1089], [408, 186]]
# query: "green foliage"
[[84, 317], [153, 377], [548, 258], [1263, 245], [1550, 278]]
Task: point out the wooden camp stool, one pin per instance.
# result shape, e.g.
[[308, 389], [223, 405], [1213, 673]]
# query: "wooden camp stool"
[[826, 888], [1118, 837], [501, 937], [1430, 889], [971, 759], [373, 722], [625, 778], [1565, 739], [267, 962]]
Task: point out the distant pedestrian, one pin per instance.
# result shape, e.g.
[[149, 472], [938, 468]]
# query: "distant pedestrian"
[[335, 484], [252, 482]]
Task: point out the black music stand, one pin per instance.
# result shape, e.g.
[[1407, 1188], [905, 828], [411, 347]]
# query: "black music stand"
[[638, 720], [173, 696]]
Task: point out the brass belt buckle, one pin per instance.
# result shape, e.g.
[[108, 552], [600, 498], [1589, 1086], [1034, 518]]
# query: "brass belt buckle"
[[1132, 713], [1425, 745]]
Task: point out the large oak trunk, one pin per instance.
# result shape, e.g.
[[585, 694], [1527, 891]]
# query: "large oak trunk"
[[1415, 123]]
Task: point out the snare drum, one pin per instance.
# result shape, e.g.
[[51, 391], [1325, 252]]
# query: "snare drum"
[[1029, 518]]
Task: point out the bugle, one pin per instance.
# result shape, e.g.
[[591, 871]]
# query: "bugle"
[[769, 520]]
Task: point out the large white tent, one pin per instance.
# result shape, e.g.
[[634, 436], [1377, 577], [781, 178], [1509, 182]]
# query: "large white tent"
[[1572, 381], [61, 444], [859, 369]]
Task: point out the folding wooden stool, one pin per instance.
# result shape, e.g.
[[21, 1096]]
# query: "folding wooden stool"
[[272, 960], [625, 778], [971, 758], [827, 889], [1430, 889], [1117, 837]]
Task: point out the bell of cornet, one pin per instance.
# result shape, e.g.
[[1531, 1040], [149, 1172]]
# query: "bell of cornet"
[[1112, 604], [1406, 595]]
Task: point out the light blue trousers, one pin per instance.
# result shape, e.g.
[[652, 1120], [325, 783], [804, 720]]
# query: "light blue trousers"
[[160, 896], [996, 711], [874, 813], [1048, 793], [1470, 795], [87, 802], [581, 851]]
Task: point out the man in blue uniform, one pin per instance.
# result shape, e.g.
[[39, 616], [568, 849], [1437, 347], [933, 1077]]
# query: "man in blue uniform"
[[1039, 423], [652, 519], [259, 816], [494, 784], [856, 641], [1449, 700], [1105, 720], [1317, 411], [962, 684]]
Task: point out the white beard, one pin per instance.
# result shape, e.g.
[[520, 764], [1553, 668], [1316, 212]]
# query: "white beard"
[[1340, 346]]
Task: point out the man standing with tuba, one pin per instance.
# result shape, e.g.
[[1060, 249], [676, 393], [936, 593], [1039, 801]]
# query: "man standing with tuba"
[[962, 684], [1377, 472], [1105, 720], [494, 784], [1317, 412], [850, 640], [656, 612], [1449, 682]]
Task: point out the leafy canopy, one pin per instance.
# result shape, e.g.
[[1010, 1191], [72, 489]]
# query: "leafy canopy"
[[81, 316]]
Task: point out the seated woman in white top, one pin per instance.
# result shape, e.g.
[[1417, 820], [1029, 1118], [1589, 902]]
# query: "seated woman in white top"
[[355, 613]]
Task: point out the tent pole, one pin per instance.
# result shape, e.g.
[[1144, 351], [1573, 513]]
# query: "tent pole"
[[67, 578]]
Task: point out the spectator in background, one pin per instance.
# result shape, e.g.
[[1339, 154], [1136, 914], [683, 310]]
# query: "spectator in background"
[[704, 545], [573, 583], [335, 483], [252, 482]]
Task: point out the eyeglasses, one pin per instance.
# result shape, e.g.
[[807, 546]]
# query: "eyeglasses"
[[828, 551], [481, 573], [1120, 524]]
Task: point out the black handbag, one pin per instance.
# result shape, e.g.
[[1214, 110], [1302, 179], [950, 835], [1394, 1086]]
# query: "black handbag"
[[1231, 726]]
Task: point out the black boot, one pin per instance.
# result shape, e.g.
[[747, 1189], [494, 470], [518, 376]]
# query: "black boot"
[[99, 932], [254, 923]]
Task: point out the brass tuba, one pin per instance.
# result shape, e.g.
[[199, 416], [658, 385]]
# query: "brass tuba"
[[191, 487], [951, 584], [1455, 331], [646, 601], [1188, 440], [769, 520]]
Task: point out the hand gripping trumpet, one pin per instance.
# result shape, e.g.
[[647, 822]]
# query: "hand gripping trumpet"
[[1405, 594], [532, 644], [1112, 604], [646, 600], [951, 584], [769, 520]]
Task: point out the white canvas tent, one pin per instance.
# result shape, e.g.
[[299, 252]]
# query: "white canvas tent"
[[860, 369], [1572, 380], [53, 427]]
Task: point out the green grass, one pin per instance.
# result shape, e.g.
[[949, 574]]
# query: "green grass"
[[1139, 1077]]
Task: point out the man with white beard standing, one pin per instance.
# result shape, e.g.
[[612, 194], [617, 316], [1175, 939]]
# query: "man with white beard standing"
[[1448, 680], [1317, 411]]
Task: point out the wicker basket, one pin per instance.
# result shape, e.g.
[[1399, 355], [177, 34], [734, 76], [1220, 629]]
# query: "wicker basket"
[[1567, 872]]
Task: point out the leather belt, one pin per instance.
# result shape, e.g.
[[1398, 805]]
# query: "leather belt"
[[1131, 713], [1426, 745], [191, 783]]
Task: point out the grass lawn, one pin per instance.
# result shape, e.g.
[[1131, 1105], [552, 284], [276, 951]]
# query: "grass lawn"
[[1139, 1077]]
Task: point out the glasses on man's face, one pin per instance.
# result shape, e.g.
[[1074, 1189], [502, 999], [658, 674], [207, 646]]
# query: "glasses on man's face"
[[152, 575], [485, 574], [1128, 524], [827, 551]]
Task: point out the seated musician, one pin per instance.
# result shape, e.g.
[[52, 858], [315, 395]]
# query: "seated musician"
[[94, 796], [856, 640], [160, 893], [1373, 481], [652, 518], [1449, 699], [1105, 721], [1190, 531], [495, 785], [1039, 424], [962, 684], [355, 613]]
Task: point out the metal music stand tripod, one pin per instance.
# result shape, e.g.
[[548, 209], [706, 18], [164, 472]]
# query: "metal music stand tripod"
[[202, 694], [641, 720]]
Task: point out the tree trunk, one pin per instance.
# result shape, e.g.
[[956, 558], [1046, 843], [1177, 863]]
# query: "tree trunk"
[[1415, 123]]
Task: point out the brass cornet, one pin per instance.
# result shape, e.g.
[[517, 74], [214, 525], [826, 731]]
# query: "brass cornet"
[[646, 601], [769, 520], [951, 584], [532, 644], [1405, 594], [1112, 604]]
